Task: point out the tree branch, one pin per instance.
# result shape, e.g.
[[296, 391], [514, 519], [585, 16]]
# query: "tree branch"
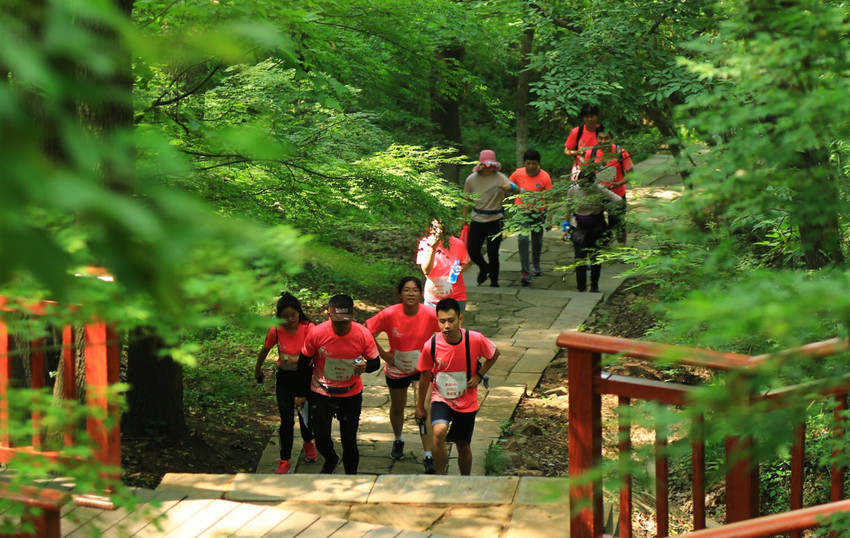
[[560, 23], [161, 101]]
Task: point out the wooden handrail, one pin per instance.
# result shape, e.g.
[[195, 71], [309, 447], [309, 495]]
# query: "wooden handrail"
[[588, 383], [597, 343], [794, 520]]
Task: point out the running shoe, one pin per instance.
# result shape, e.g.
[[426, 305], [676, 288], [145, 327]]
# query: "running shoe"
[[283, 467], [430, 468], [398, 450], [525, 280], [536, 271], [310, 452]]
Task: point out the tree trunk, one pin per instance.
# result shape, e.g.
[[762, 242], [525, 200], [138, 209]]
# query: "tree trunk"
[[816, 211], [522, 95], [445, 102], [155, 398], [156, 383]]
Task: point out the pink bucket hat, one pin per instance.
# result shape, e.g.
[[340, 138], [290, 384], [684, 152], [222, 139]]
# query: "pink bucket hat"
[[487, 158]]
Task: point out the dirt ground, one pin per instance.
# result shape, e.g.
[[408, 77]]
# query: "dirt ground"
[[537, 438]]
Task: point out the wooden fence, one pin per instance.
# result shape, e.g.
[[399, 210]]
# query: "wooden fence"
[[588, 383], [101, 355]]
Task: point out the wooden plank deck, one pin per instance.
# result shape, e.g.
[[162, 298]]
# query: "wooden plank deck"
[[158, 514]]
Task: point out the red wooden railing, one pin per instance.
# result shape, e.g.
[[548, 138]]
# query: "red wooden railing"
[[588, 383], [101, 353], [45, 523]]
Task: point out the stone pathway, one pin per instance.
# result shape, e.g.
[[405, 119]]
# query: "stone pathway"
[[523, 322], [393, 498]]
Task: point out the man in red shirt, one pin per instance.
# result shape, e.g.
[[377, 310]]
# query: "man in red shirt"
[[531, 178], [449, 362], [332, 359], [613, 177], [583, 136]]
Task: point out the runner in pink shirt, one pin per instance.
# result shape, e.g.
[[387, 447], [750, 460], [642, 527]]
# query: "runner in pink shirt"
[[531, 178], [332, 359], [449, 363], [289, 337], [407, 325], [436, 256]]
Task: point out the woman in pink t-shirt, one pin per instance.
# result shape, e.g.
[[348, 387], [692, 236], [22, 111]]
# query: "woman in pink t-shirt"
[[436, 256], [408, 325], [289, 336]]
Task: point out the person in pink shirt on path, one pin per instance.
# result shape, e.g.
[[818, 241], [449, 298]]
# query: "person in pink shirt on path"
[[583, 136], [449, 363], [289, 336], [332, 359], [407, 325], [531, 178], [614, 177], [436, 256]]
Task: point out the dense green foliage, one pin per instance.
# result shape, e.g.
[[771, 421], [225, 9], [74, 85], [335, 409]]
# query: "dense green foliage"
[[209, 154]]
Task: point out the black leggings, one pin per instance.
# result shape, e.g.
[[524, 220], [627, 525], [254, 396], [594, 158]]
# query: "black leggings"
[[491, 232], [594, 229], [284, 390], [347, 410]]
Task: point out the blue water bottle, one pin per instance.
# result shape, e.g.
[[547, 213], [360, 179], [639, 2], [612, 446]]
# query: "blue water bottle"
[[565, 230], [455, 272]]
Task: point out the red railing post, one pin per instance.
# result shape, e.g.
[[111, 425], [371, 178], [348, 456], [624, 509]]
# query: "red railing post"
[[741, 480], [662, 495], [742, 494], [625, 449], [585, 442], [101, 350], [698, 470], [5, 378], [836, 486]]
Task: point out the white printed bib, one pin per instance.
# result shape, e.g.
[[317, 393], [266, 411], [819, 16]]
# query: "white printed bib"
[[576, 170], [451, 384], [406, 361], [288, 363], [338, 369], [607, 175], [438, 287]]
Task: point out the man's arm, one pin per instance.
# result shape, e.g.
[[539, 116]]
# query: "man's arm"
[[473, 382], [424, 380], [302, 378], [372, 365]]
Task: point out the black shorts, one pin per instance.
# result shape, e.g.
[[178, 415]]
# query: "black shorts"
[[403, 382], [462, 424]]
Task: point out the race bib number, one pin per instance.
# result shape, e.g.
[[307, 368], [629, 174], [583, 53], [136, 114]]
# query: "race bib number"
[[607, 175], [451, 384], [338, 369], [288, 363], [575, 172], [406, 361], [438, 286]]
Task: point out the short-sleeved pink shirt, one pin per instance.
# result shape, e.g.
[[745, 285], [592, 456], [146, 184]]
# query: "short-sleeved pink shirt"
[[588, 138], [288, 345], [452, 358], [405, 333], [437, 285], [541, 181], [335, 355]]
